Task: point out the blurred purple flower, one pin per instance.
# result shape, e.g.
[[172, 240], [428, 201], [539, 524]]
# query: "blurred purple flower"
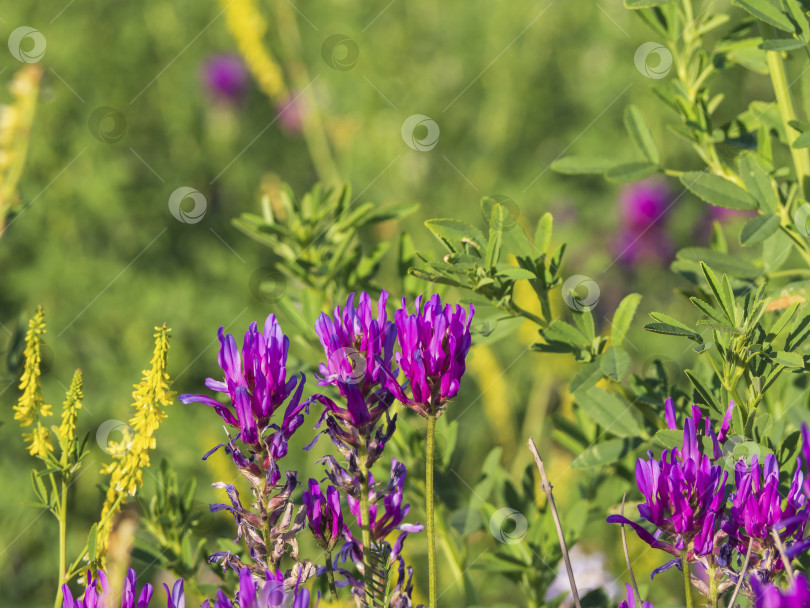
[[290, 112], [768, 595], [225, 78], [636, 248], [644, 205], [433, 342], [684, 493], [324, 514], [94, 599]]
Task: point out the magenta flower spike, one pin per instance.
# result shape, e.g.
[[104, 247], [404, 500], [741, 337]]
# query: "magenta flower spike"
[[630, 601], [684, 494], [434, 342], [768, 595], [324, 514], [93, 598], [271, 594]]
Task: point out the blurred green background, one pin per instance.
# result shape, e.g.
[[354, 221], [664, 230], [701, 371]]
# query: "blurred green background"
[[512, 86]]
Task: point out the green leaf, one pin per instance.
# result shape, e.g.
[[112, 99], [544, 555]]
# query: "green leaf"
[[796, 13], [758, 229], [669, 438], [582, 165], [623, 318], [671, 326], [789, 359], [587, 377], [782, 44], [596, 456], [496, 222], [92, 543], [452, 232], [640, 133], [722, 262], [609, 411], [514, 273], [767, 12], [615, 363], [702, 390], [584, 321], [560, 331], [717, 190], [802, 141], [758, 182], [630, 172], [542, 236]]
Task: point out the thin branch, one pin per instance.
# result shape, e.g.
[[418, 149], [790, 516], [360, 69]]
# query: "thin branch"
[[547, 489], [783, 555], [742, 573], [627, 556]]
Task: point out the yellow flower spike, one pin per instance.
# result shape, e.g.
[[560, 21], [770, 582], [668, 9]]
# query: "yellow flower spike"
[[15, 129], [248, 28], [31, 406], [150, 397], [70, 412]]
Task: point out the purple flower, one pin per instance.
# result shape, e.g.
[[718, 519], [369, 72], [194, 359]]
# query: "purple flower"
[[225, 78], [358, 348], [271, 594], [767, 595], [630, 602], [394, 512], [433, 342], [684, 494], [757, 508], [634, 248], [644, 204], [324, 514], [256, 383], [94, 599]]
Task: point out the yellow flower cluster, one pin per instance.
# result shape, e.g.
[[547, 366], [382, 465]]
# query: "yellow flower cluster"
[[150, 397], [70, 412], [15, 127], [248, 28], [31, 407]]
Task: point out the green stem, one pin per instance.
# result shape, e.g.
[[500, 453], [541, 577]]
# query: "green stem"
[[365, 527], [801, 159], [713, 595], [62, 544], [431, 528], [687, 585], [330, 575]]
